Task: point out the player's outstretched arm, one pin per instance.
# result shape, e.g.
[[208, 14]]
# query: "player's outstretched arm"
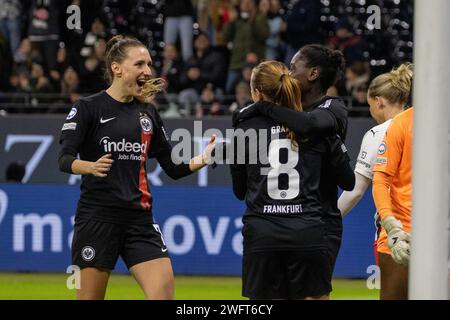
[[349, 199], [319, 122], [205, 158], [180, 170]]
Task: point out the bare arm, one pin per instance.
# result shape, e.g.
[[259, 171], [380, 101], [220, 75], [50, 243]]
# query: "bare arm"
[[349, 199]]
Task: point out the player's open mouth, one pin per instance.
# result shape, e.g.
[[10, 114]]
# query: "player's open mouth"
[[140, 82]]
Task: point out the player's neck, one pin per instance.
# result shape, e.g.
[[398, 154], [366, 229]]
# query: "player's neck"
[[391, 112], [311, 97], [117, 94]]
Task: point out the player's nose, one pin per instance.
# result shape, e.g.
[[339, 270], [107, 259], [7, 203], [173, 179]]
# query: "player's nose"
[[147, 71]]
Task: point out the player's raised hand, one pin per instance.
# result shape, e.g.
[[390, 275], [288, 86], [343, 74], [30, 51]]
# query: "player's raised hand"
[[101, 167], [208, 153]]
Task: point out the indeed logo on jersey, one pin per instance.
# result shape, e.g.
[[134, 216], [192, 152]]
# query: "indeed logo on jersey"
[[124, 146]]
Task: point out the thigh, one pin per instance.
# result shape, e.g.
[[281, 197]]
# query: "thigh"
[[394, 279], [155, 278], [93, 282], [143, 242], [96, 244]]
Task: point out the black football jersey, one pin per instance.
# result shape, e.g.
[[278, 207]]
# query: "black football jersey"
[[328, 186], [282, 191], [280, 184], [283, 178], [132, 132]]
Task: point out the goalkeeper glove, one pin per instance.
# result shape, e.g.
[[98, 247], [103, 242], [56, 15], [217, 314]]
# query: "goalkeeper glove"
[[400, 252], [394, 230], [398, 239]]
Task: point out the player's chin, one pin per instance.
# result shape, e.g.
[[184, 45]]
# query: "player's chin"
[[138, 91]]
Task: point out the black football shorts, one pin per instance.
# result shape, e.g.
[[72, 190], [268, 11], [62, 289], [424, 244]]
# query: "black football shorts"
[[289, 274], [99, 244]]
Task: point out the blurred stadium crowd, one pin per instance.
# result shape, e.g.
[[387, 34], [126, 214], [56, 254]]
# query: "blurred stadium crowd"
[[204, 49]]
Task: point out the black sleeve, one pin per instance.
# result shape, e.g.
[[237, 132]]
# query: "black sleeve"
[[319, 122], [175, 171], [65, 162], [162, 151], [340, 163], [73, 133], [239, 178], [237, 168]]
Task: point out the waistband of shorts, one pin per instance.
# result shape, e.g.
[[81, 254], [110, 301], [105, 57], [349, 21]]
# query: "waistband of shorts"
[[113, 214]]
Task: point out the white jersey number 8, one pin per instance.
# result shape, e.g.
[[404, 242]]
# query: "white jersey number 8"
[[277, 168]]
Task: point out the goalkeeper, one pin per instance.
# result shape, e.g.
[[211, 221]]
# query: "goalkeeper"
[[392, 194]]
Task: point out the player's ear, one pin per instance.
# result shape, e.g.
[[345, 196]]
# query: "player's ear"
[[313, 73], [379, 102], [256, 95], [116, 69]]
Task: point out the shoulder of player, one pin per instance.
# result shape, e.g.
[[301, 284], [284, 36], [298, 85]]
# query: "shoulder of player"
[[402, 121], [405, 115], [92, 103], [377, 131], [94, 99], [335, 105], [332, 103], [149, 107], [252, 120]]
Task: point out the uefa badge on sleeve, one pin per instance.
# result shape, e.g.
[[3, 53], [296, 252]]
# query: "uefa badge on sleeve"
[[72, 113]]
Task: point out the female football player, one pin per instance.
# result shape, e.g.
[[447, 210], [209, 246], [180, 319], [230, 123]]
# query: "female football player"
[[114, 134]]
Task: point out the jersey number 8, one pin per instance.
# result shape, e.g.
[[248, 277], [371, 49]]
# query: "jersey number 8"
[[277, 168]]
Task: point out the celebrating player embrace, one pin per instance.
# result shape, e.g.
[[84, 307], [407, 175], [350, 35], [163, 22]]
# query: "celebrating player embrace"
[[316, 68], [285, 240]]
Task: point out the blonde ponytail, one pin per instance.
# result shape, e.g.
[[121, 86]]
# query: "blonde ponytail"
[[273, 80], [394, 86], [151, 88]]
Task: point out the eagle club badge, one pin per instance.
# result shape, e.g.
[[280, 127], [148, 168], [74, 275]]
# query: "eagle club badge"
[[146, 123]]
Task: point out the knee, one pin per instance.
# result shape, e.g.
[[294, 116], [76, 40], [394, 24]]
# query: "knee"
[[163, 291]]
